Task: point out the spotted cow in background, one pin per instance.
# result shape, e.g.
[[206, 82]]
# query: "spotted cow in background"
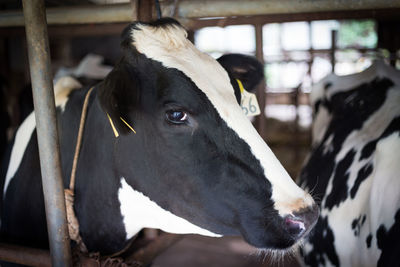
[[354, 169]]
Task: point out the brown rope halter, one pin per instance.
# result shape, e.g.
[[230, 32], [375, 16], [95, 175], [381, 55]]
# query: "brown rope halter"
[[73, 224]]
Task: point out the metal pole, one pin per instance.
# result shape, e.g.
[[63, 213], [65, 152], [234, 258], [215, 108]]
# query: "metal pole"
[[45, 114], [261, 95], [333, 49]]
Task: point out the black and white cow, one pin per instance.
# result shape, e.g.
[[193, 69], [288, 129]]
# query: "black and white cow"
[[195, 164], [354, 169]]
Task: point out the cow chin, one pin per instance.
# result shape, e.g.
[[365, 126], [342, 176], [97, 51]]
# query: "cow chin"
[[274, 239]]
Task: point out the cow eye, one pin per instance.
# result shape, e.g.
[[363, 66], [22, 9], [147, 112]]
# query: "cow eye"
[[176, 116]]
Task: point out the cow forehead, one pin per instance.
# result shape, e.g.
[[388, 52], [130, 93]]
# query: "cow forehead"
[[169, 46]]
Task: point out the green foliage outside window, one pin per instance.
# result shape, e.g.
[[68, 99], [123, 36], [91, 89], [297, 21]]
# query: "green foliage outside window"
[[357, 33]]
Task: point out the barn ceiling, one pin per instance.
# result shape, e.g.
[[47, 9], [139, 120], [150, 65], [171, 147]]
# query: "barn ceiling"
[[201, 8], [191, 12]]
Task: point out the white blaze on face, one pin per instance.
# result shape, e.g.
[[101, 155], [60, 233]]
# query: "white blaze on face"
[[169, 46], [140, 212]]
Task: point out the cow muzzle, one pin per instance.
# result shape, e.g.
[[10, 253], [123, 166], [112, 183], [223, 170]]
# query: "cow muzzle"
[[300, 223]]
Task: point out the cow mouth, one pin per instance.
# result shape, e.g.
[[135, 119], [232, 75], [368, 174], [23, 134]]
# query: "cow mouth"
[[299, 224], [283, 234]]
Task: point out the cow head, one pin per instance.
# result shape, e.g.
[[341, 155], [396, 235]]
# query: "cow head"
[[196, 164]]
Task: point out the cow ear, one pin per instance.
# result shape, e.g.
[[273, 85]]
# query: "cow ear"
[[245, 68], [119, 96]]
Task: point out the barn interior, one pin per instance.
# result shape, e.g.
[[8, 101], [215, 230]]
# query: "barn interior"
[[299, 42]]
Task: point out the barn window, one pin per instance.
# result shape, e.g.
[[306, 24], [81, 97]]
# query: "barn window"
[[231, 39], [296, 55]]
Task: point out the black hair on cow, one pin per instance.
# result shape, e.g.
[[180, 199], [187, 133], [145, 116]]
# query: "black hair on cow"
[[119, 93]]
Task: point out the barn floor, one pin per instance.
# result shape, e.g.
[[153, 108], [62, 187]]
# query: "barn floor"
[[198, 251]]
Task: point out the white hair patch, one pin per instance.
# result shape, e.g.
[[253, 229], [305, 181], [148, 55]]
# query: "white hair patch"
[[169, 46], [140, 212]]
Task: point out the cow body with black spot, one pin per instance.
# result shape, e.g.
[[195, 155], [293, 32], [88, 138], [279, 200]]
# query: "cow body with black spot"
[[195, 163], [354, 169]]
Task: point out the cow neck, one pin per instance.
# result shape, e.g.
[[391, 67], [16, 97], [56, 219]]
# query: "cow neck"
[[73, 223]]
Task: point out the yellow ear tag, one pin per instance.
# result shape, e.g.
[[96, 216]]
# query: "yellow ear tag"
[[130, 127], [240, 85], [248, 101], [112, 126], [115, 129]]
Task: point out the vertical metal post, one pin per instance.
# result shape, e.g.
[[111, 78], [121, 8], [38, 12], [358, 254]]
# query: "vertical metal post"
[[311, 51], [261, 95], [145, 10], [333, 49], [45, 114]]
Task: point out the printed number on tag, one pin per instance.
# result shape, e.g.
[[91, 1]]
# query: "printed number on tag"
[[249, 104]]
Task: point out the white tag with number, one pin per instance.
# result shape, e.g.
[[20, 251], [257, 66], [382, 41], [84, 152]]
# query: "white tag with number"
[[249, 104]]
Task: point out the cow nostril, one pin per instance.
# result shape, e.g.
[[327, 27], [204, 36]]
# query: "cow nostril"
[[310, 216], [300, 223], [294, 226]]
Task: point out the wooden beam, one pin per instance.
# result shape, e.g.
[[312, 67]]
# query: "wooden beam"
[[71, 30], [260, 120], [228, 12], [98, 29], [74, 15], [229, 8], [145, 10], [385, 14]]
